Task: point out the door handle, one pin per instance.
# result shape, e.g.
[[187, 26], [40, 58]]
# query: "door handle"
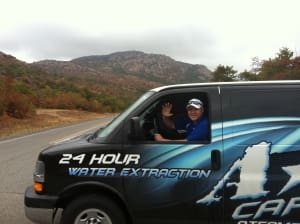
[[215, 159]]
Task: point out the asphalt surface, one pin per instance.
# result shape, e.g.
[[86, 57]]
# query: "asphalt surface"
[[17, 161]]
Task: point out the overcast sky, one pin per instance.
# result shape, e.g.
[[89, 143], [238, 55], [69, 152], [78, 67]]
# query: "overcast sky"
[[210, 32]]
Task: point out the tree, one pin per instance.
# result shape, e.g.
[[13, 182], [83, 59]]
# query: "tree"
[[255, 65], [249, 76], [19, 106], [224, 74], [12, 101], [280, 67]]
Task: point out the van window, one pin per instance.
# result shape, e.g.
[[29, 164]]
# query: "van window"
[[152, 121], [259, 110], [265, 103], [112, 125]]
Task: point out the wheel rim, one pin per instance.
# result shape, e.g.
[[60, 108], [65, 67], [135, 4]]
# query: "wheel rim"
[[92, 216]]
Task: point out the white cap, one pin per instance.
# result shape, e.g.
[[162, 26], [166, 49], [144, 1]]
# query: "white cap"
[[196, 103]]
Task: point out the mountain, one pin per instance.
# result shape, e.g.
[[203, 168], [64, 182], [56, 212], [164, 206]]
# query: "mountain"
[[9, 65], [154, 67], [131, 72], [95, 80], [98, 83]]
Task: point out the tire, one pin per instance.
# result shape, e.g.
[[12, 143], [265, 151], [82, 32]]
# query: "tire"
[[93, 209]]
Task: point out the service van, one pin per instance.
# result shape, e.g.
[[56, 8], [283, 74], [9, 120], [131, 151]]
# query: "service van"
[[247, 171]]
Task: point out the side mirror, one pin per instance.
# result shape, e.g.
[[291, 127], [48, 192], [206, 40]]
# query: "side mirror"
[[135, 129]]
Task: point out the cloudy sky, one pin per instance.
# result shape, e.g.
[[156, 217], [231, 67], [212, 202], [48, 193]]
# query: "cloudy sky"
[[209, 32]]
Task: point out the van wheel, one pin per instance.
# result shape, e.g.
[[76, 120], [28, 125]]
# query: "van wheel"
[[93, 209]]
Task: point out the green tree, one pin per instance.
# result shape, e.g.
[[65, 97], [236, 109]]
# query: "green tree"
[[224, 74], [22, 88], [283, 66], [280, 67], [249, 76], [294, 73]]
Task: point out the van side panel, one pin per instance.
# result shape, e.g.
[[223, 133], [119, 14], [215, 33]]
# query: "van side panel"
[[261, 134]]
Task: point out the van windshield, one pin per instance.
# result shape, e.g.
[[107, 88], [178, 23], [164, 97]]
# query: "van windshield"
[[112, 125]]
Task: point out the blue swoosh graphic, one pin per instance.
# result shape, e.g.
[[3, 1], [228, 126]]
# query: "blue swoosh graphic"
[[230, 137]]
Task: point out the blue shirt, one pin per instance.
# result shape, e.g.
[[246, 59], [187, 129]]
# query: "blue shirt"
[[194, 131]]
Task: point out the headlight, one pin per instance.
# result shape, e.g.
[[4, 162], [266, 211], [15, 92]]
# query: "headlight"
[[39, 176], [39, 173]]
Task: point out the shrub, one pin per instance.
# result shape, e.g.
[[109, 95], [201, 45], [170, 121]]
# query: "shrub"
[[19, 106]]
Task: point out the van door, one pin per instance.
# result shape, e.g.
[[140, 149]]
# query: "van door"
[[261, 153], [172, 181]]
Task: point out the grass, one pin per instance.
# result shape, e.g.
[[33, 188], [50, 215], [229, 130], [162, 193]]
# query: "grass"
[[44, 118]]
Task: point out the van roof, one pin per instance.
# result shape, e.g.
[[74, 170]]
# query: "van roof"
[[238, 83]]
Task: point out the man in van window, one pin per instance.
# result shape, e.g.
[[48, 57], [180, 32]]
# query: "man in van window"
[[196, 126]]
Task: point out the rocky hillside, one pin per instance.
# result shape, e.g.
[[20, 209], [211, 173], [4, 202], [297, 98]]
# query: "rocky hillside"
[[131, 72], [95, 80], [9, 65], [154, 67]]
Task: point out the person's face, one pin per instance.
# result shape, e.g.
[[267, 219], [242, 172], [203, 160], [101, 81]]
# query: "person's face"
[[195, 114]]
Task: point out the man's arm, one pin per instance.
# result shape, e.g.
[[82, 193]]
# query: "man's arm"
[[160, 138]]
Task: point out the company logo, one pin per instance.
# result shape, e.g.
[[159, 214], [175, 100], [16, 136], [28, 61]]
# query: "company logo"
[[253, 166]]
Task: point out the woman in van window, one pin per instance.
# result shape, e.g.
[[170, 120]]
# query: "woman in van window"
[[196, 126]]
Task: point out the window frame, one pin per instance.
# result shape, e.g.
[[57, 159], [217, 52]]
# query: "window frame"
[[165, 94]]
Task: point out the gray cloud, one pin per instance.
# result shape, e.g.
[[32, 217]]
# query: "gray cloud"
[[197, 32], [43, 41]]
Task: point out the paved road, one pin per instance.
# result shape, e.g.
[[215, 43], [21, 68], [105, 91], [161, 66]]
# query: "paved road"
[[17, 161]]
